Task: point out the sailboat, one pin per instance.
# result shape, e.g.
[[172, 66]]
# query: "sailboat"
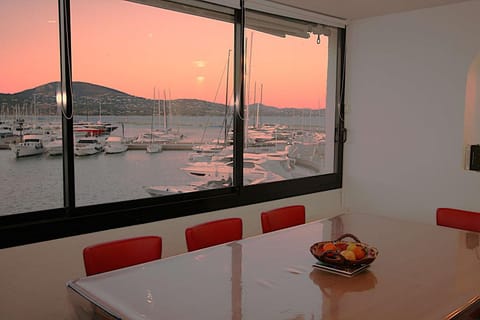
[[152, 146]]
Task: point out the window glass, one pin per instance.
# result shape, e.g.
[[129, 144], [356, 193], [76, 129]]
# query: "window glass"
[[31, 180], [289, 108], [152, 94]]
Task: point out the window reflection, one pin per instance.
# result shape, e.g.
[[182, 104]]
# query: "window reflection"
[[287, 73]]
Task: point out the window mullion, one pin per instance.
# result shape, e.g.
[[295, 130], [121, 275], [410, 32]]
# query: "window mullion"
[[239, 77], [65, 99]]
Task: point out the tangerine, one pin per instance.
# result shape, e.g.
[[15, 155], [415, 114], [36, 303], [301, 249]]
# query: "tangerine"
[[329, 246], [359, 252]]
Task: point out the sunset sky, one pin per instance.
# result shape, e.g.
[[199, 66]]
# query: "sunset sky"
[[135, 48]]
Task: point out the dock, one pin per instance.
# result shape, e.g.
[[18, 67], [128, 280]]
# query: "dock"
[[141, 146], [166, 146]]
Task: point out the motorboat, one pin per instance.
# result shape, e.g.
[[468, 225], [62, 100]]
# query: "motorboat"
[[55, 147], [165, 190], [156, 191], [219, 170], [88, 146], [115, 144], [94, 129], [205, 152], [31, 145]]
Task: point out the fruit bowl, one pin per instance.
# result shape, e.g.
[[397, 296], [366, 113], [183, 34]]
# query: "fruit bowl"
[[343, 253]]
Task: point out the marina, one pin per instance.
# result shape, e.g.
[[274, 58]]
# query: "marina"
[[115, 165]]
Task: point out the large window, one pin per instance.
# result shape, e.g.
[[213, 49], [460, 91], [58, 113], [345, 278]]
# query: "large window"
[[167, 108], [152, 96]]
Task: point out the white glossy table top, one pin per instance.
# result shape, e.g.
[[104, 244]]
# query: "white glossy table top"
[[422, 272]]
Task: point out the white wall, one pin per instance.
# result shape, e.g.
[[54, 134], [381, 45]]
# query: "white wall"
[[406, 82], [33, 277]]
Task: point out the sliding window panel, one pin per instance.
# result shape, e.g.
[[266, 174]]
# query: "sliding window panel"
[[152, 99], [290, 94], [31, 179]]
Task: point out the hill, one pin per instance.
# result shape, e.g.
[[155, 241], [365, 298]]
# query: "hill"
[[88, 98]]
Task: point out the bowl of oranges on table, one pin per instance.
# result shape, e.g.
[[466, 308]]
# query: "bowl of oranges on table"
[[346, 251]]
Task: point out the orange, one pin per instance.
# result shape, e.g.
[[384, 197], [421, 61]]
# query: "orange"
[[359, 252], [329, 246]]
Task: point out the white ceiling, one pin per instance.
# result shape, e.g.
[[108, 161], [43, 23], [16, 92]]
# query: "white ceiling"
[[359, 9]]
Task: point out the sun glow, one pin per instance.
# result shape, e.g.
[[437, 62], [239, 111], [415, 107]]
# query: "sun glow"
[[162, 47]]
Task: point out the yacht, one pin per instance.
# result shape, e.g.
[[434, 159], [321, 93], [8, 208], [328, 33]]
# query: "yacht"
[[88, 146], [115, 144], [31, 145], [164, 190], [55, 147], [218, 170]]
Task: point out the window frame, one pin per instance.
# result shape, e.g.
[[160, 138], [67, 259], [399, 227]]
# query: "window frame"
[[37, 226]]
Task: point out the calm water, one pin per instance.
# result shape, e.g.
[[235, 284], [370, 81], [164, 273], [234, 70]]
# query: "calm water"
[[35, 183]]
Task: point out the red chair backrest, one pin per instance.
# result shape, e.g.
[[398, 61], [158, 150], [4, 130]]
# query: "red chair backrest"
[[213, 233], [459, 219], [281, 218], [122, 253]]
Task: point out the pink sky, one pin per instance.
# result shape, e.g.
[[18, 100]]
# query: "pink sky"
[[135, 48]]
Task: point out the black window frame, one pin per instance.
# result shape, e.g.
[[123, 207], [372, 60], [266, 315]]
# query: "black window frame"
[[37, 226]]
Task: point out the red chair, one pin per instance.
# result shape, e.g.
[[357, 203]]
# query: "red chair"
[[281, 218], [459, 219], [122, 253], [213, 232]]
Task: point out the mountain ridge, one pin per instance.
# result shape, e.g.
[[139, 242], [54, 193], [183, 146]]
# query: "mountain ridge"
[[88, 96]]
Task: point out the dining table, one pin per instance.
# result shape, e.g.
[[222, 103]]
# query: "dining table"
[[421, 271]]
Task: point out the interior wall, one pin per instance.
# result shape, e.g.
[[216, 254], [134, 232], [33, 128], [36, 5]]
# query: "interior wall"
[[406, 87], [33, 277]]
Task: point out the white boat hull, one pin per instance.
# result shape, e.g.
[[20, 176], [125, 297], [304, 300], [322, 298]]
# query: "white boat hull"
[[154, 148], [198, 186], [88, 146], [116, 148], [26, 150], [156, 191], [86, 151], [54, 148]]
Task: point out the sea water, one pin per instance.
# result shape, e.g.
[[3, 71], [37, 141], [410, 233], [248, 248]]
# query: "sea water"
[[36, 183]]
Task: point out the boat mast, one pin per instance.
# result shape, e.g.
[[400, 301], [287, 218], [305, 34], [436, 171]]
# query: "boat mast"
[[159, 107], [165, 129], [226, 101], [255, 102], [258, 104], [248, 86], [151, 123]]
